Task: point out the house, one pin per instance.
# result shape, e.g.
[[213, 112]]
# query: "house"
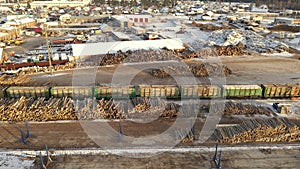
[[8, 33], [122, 22], [66, 18], [283, 35], [287, 21], [139, 18], [151, 35], [105, 28], [21, 23], [262, 9], [138, 30], [257, 18], [119, 36]]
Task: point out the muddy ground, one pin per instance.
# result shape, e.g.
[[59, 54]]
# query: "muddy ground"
[[251, 157]]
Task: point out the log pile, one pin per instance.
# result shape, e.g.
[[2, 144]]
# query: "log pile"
[[259, 130], [209, 27], [229, 50], [37, 69], [198, 69], [109, 110], [146, 56], [185, 135], [103, 109], [9, 80], [232, 108], [28, 109], [145, 108], [136, 56]]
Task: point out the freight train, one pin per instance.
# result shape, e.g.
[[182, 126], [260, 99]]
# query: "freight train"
[[164, 91]]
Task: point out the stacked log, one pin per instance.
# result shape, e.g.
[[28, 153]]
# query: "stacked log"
[[198, 69], [209, 27], [259, 130], [232, 108], [14, 79], [105, 109], [145, 108], [229, 50], [37, 69], [28, 109], [135, 56]]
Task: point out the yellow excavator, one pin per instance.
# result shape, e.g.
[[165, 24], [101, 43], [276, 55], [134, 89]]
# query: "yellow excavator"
[[14, 41]]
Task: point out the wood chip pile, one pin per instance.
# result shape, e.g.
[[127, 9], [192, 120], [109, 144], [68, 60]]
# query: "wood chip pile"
[[259, 130]]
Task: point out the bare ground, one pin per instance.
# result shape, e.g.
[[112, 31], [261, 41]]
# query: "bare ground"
[[246, 70]]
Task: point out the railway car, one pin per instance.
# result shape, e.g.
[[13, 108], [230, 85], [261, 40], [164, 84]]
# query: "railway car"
[[165, 91], [200, 91], [3, 92], [117, 92], [72, 91], [35, 92], [280, 90], [242, 91]]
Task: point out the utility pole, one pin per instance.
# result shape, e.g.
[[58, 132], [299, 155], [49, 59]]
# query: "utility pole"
[[49, 52]]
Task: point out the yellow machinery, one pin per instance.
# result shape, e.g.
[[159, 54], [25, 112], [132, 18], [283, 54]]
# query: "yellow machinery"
[[14, 41]]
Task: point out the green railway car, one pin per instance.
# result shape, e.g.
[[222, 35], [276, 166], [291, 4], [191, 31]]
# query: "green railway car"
[[117, 92], [200, 91], [35, 92], [280, 91], [3, 92], [165, 91], [240, 91], [72, 91]]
